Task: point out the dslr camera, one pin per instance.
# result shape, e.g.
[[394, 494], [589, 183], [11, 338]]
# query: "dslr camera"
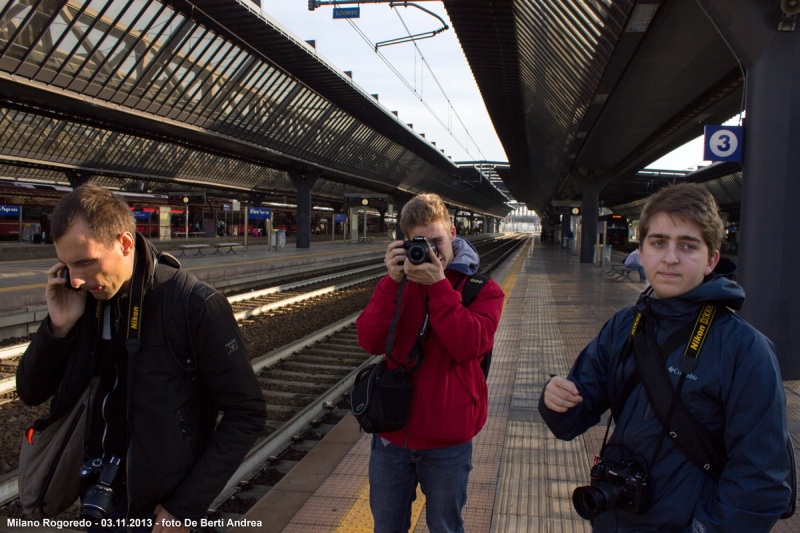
[[101, 497], [613, 485], [417, 250]]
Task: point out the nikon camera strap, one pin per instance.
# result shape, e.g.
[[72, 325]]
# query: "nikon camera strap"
[[703, 448]]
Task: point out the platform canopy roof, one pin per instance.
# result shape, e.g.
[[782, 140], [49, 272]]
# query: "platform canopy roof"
[[588, 92], [145, 95]]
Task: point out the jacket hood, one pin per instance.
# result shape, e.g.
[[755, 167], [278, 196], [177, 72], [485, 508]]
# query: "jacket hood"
[[716, 287], [465, 257]]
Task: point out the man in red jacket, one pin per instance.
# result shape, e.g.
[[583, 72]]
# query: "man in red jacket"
[[450, 394]]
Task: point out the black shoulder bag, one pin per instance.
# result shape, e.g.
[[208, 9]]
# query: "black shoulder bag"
[[381, 398], [702, 447]]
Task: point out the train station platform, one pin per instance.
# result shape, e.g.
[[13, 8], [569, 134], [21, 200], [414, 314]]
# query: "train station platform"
[[523, 476]]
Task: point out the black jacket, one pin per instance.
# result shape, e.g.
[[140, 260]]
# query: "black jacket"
[[177, 455]]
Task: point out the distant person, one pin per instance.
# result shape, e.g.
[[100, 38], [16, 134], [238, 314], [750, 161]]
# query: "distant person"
[[450, 398], [634, 261], [729, 392], [153, 432]]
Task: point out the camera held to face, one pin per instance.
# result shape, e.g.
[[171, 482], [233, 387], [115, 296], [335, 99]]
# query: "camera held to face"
[[101, 497], [417, 250], [614, 485]]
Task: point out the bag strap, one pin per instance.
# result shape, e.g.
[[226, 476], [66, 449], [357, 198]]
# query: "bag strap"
[[471, 287], [417, 353], [703, 448]]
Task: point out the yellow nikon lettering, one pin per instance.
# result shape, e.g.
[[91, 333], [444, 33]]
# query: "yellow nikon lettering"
[[698, 338], [636, 323], [135, 318], [705, 318]]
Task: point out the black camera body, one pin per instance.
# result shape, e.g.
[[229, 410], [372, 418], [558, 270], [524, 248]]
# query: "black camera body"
[[614, 485], [417, 250], [103, 494]]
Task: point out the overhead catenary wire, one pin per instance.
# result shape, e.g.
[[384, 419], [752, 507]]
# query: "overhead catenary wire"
[[411, 87], [451, 107]]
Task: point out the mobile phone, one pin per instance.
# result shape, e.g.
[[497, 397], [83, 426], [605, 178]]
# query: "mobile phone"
[[65, 275]]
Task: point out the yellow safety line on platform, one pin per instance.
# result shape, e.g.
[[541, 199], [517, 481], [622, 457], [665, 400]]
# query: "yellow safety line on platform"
[[359, 517], [23, 287], [513, 273]]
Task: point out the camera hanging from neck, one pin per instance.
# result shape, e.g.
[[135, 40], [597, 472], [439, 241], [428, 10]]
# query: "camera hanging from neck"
[[417, 354]]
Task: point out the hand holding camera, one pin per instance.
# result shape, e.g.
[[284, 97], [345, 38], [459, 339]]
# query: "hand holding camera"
[[417, 259]]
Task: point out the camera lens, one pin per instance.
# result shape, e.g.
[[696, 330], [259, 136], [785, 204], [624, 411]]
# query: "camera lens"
[[417, 254], [600, 497], [98, 503]]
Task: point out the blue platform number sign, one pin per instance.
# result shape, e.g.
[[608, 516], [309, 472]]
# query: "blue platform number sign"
[[9, 210], [340, 218], [723, 143], [141, 215], [347, 12], [260, 213]]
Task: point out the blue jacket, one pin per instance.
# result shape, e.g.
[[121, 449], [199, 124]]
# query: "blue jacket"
[[736, 391]]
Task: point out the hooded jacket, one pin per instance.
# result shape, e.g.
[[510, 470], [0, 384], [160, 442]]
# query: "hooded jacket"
[[178, 455], [450, 395], [735, 391]]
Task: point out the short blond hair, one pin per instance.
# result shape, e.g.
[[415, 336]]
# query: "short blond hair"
[[687, 201], [423, 210]]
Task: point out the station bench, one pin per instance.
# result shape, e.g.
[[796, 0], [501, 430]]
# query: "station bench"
[[229, 245], [198, 247], [621, 271]]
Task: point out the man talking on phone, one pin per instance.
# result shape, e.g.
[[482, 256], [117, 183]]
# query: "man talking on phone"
[[166, 355]]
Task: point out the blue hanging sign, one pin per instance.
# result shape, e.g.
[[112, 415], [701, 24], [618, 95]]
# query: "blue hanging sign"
[[347, 12], [141, 215], [260, 213], [340, 217], [9, 210], [723, 143]]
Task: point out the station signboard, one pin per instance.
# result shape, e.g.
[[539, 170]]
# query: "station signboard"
[[188, 198], [340, 217], [347, 12], [141, 215], [260, 213], [375, 201], [723, 143], [9, 210]]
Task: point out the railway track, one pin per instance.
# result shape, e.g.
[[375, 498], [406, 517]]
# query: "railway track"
[[299, 379]]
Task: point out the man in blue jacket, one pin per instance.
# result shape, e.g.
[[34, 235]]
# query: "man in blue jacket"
[[735, 391]]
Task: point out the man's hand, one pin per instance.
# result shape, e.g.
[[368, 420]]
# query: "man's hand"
[[561, 395], [64, 305], [426, 273], [395, 255], [166, 523]]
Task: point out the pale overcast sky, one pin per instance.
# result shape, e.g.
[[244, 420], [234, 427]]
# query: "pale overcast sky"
[[341, 45]]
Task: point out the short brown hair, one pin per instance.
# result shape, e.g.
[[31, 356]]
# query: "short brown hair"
[[423, 210], [106, 215], [687, 201]]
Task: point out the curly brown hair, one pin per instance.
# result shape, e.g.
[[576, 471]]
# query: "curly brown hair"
[[423, 210], [107, 215], [687, 201]]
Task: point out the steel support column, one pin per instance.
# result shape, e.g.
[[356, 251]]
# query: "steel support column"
[[590, 202], [303, 182], [770, 245], [399, 203]]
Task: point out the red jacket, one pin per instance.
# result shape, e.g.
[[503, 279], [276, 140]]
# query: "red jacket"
[[450, 394]]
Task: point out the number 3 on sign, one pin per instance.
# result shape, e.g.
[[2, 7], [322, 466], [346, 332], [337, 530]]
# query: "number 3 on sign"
[[723, 143]]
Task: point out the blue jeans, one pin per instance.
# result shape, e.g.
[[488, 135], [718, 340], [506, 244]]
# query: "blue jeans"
[[393, 476], [642, 276]]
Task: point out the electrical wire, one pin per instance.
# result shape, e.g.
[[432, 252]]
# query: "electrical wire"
[[408, 85], [449, 103]]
